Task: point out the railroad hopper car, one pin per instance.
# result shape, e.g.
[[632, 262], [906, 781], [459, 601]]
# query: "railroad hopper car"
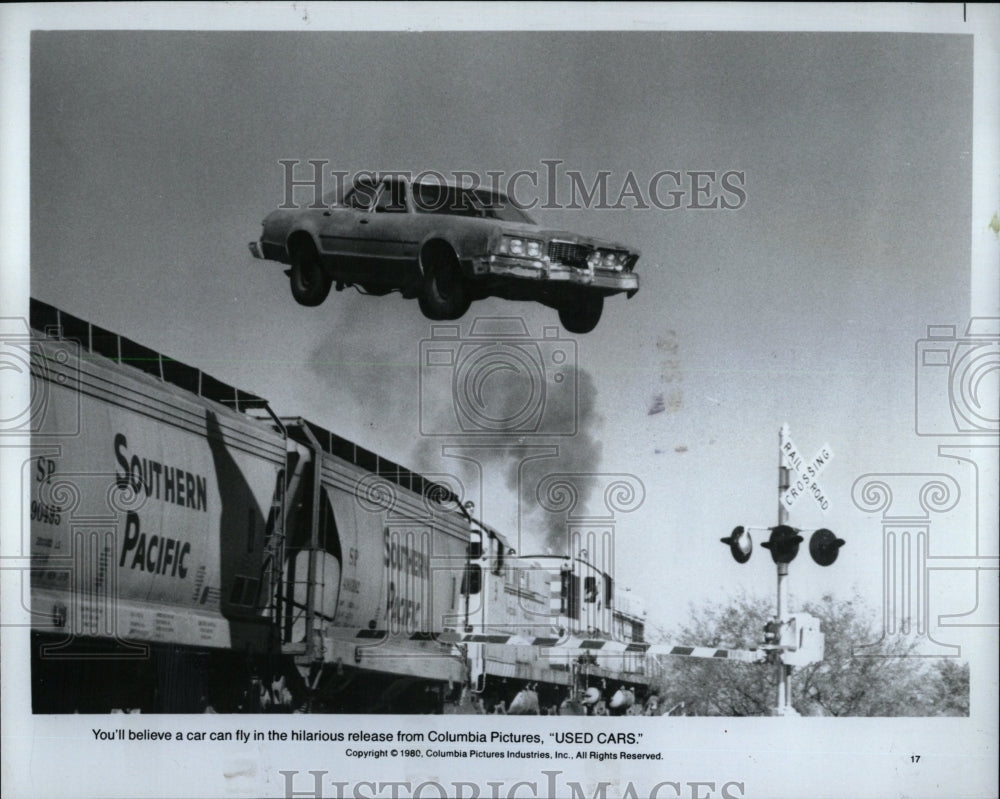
[[389, 549], [184, 557]]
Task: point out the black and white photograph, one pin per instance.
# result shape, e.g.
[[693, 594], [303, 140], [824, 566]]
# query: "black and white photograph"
[[375, 373]]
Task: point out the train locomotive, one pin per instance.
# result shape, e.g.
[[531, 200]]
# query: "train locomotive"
[[192, 551], [523, 611]]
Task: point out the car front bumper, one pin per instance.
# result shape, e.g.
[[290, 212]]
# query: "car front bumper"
[[544, 272]]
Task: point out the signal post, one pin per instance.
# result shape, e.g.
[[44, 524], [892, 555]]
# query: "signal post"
[[783, 707], [791, 638]]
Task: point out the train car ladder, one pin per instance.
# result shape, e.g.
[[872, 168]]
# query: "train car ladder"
[[274, 546], [310, 652]]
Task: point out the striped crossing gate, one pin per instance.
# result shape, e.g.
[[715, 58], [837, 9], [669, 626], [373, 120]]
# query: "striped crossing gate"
[[595, 645]]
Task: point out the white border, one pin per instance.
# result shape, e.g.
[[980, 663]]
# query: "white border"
[[823, 757]]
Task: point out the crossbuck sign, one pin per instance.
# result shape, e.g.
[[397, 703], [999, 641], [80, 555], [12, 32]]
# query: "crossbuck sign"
[[802, 474]]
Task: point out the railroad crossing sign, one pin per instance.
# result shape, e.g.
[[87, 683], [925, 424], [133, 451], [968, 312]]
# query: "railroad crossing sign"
[[802, 473]]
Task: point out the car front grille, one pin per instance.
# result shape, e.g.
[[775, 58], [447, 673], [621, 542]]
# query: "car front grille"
[[569, 254]]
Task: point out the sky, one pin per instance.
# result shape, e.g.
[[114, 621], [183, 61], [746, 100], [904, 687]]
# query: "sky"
[[155, 155]]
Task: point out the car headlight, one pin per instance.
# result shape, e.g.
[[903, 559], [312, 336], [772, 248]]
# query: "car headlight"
[[514, 245], [611, 259]]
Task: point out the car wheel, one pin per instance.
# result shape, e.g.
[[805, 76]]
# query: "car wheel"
[[309, 284], [582, 314], [444, 294]]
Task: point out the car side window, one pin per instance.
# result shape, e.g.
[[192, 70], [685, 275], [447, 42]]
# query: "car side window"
[[431, 198], [361, 196], [392, 198]]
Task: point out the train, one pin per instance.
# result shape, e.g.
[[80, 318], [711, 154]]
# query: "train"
[[192, 551]]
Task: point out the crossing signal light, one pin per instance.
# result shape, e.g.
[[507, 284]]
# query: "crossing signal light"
[[824, 546], [739, 543], [783, 543], [772, 633]]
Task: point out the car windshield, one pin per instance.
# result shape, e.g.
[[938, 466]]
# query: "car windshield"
[[434, 198], [499, 206]]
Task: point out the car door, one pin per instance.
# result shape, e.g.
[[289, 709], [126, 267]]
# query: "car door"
[[387, 246], [342, 231]]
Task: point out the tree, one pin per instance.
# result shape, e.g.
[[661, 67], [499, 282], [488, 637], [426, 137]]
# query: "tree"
[[952, 687], [716, 688], [862, 674]]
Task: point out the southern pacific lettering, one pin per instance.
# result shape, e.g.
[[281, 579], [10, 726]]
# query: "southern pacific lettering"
[[169, 483], [409, 569], [156, 554], [400, 558]]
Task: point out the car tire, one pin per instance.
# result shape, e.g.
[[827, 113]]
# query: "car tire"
[[582, 314], [310, 285], [444, 293]]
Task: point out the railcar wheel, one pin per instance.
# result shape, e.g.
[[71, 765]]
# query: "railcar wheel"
[[309, 283]]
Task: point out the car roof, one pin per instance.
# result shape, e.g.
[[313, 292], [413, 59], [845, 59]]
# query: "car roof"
[[406, 177]]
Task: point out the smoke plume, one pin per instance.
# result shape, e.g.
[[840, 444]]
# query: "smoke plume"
[[525, 452], [505, 419]]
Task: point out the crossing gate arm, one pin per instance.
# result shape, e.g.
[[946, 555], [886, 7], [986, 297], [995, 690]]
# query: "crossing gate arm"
[[598, 645], [737, 655]]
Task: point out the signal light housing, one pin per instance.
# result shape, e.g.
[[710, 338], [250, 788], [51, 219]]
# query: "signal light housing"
[[783, 543], [772, 633], [740, 544], [824, 546], [804, 643]]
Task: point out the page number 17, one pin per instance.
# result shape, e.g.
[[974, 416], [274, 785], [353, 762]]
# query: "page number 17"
[[914, 758]]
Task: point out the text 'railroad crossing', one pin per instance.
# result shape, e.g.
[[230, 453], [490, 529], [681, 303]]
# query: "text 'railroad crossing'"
[[803, 473]]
